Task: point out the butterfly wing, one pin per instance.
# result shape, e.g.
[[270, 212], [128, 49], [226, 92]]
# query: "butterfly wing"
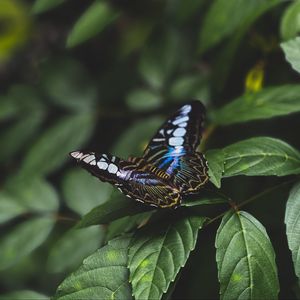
[[183, 129], [132, 180], [173, 148]]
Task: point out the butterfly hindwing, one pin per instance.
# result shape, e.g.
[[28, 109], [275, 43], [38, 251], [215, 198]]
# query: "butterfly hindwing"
[[191, 173]]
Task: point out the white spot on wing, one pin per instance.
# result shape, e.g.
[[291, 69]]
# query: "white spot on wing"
[[75, 154], [182, 124], [176, 141], [112, 168], [180, 120], [89, 158], [186, 109], [102, 165], [179, 132]]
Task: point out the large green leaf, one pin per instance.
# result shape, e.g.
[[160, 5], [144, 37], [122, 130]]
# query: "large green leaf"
[[23, 239], [155, 257], [68, 84], [68, 252], [267, 103], [261, 156], [53, 146], [292, 221], [215, 160], [290, 22], [291, 50], [35, 194], [103, 275], [98, 16], [82, 192], [41, 6], [226, 17], [21, 196], [245, 259], [115, 208]]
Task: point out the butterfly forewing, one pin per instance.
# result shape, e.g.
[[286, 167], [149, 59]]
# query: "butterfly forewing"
[[173, 148], [134, 180], [182, 131]]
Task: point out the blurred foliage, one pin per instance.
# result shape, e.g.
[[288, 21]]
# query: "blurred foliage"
[[15, 26], [103, 76]]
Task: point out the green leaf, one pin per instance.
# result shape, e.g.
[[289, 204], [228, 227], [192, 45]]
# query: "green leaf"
[[35, 194], [160, 59], [82, 192], [207, 198], [143, 100], [9, 207], [136, 138], [292, 52], [190, 87], [23, 239], [94, 20], [41, 6], [68, 84], [156, 257], [292, 221], [15, 137], [261, 156], [21, 196], [24, 295], [290, 22], [115, 208], [267, 103], [103, 275], [126, 224], [68, 252], [215, 160], [220, 21], [245, 259], [51, 149]]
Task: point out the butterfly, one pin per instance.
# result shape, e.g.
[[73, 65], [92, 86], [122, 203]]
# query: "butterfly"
[[169, 168]]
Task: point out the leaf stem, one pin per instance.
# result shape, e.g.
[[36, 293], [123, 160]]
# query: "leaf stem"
[[251, 199]]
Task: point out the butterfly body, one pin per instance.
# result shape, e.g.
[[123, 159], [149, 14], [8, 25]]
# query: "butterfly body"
[[169, 168]]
